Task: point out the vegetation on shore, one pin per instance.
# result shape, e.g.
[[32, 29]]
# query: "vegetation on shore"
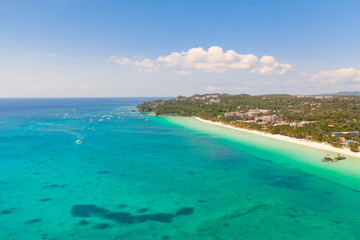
[[332, 119]]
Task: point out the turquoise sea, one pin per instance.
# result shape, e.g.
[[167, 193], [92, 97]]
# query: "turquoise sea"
[[137, 176]]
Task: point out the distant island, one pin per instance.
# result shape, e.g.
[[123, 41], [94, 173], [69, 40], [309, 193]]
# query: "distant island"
[[345, 93], [333, 119]]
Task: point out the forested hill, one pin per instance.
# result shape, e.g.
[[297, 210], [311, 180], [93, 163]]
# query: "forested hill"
[[301, 116]]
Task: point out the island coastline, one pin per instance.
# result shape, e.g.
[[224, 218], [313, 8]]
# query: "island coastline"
[[307, 143]]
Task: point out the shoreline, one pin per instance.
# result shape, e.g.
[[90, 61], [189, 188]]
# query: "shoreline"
[[322, 146]]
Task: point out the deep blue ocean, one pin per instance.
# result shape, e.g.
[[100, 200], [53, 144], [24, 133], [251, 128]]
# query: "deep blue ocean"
[[136, 176]]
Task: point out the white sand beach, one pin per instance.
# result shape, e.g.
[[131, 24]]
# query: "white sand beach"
[[323, 146]]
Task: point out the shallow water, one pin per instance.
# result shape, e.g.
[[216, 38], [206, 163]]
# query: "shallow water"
[[142, 177]]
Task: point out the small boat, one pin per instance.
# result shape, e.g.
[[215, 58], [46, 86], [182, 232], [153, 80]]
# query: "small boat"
[[335, 159], [339, 157], [327, 159], [78, 142]]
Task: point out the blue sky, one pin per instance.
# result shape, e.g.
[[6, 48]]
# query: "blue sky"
[[88, 48]]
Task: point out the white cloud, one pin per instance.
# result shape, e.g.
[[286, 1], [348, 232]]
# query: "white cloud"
[[213, 88], [267, 60], [122, 61], [343, 75], [284, 68], [269, 66], [144, 65], [212, 60]]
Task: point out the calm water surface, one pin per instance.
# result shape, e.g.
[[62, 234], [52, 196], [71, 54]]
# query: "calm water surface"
[[142, 177]]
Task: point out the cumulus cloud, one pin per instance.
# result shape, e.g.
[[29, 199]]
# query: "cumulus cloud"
[[269, 66], [343, 75], [267, 60], [212, 60]]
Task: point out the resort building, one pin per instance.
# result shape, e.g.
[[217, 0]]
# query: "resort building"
[[271, 118], [300, 124], [257, 111]]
